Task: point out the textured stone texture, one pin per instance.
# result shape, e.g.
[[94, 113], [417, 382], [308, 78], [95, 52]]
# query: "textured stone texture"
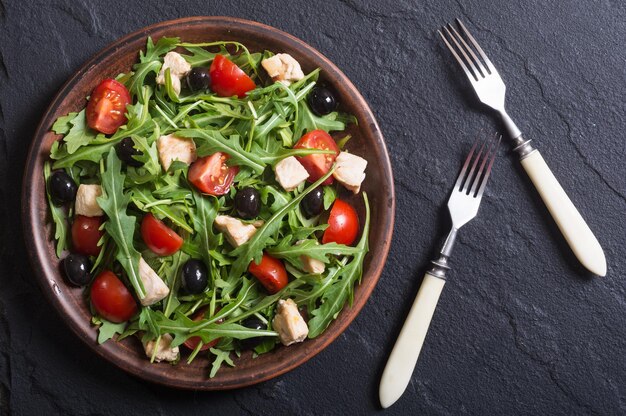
[[520, 328]]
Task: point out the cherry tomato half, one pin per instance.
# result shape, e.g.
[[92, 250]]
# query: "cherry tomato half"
[[343, 224], [271, 273], [193, 342], [317, 165], [227, 79], [159, 237], [107, 106], [86, 234], [211, 174], [111, 299]]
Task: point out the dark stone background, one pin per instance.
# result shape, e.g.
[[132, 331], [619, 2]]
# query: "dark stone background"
[[520, 328]]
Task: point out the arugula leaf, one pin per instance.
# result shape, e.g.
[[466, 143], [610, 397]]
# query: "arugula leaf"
[[253, 248], [330, 194], [150, 62], [62, 124], [119, 225], [336, 295], [145, 201], [220, 357], [212, 141], [79, 134], [107, 330], [58, 216], [293, 253], [206, 211]]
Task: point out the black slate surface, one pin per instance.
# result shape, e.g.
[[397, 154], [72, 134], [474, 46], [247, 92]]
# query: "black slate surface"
[[520, 328]]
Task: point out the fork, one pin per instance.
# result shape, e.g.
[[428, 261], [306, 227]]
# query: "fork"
[[463, 206], [490, 90]]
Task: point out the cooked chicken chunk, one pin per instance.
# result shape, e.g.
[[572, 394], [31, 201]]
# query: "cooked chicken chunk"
[[173, 148], [156, 289], [86, 203], [283, 68], [164, 351], [178, 68], [350, 171], [289, 324], [236, 232], [290, 173]]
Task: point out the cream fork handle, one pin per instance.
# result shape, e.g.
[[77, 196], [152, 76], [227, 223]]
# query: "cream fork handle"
[[403, 358], [573, 227]]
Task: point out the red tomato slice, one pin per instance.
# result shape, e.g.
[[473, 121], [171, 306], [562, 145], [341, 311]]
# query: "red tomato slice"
[[211, 174], [159, 237], [193, 342], [227, 79], [317, 165], [111, 299], [86, 234], [107, 106], [271, 273], [343, 224]]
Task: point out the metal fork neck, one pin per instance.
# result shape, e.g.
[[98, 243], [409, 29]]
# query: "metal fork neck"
[[440, 265], [521, 145]]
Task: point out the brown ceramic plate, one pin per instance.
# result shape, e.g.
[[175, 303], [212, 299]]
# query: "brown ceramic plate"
[[119, 57]]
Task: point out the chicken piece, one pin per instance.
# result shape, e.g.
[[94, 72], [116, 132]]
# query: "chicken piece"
[[289, 324], [236, 231], [311, 265], [173, 148], [290, 173], [350, 171], [178, 68], [283, 68], [86, 203], [164, 350], [156, 289]]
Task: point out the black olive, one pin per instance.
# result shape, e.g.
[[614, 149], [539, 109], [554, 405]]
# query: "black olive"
[[77, 269], [322, 101], [62, 187], [252, 323], [248, 203], [313, 203], [195, 277], [126, 150], [198, 79]]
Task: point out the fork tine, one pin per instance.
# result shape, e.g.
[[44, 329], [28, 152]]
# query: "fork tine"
[[488, 171], [468, 61], [479, 174], [482, 53], [459, 181], [471, 178], [482, 69], [469, 75]]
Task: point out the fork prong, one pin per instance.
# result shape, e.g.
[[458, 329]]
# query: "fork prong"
[[471, 177], [468, 61], [459, 181], [488, 171], [482, 53], [469, 75], [481, 68], [478, 180]]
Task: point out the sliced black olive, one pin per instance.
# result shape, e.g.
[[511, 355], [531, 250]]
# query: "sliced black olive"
[[77, 269], [313, 203], [62, 187], [126, 150], [198, 79], [195, 277], [322, 101], [248, 203], [252, 323]]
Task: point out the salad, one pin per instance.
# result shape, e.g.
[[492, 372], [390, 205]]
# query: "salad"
[[200, 200]]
